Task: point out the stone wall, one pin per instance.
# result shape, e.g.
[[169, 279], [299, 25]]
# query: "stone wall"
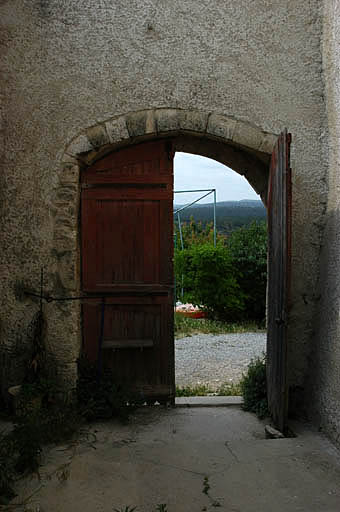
[[324, 373], [71, 67]]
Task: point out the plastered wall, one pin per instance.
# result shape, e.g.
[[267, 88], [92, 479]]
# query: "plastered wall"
[[69, 65], [324, 373]]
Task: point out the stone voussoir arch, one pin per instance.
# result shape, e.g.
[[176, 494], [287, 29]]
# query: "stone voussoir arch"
[[96, 141]]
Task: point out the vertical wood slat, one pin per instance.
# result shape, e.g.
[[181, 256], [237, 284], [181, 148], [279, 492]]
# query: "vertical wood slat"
[[127, 247], [279, 277]]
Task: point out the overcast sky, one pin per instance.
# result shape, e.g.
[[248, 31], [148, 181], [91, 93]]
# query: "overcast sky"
[[198, 172]]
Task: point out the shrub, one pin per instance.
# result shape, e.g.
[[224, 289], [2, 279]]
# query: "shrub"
[[210, 280], [254, 388], [235, 271], [247, 247]]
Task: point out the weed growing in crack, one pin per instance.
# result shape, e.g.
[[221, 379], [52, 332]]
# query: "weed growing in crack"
[[162, 507], [206, 485], [205, 490], [44, 416], [125, 509]]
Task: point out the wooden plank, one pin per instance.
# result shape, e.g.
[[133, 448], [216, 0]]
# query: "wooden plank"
[[128, 343], [127, 194]]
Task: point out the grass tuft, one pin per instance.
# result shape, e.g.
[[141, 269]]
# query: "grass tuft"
[[225, 389], [254, 388], [186, 326]]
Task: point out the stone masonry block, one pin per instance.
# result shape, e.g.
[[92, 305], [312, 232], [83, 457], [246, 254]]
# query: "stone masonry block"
[[67, 270], [67, 192], [65, 209], [80, 145], [67, 159], [117, 130], [247, 135], [221, 126], [64, 219], [97, 136], [268, 142], [141, 123], [64, 326], [65, 238], [168, 120], [193, 120], [69, 174]]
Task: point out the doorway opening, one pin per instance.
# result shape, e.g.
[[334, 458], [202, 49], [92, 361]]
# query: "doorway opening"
[[220, 264], [127, 258]]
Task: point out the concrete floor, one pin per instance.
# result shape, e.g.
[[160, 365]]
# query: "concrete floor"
[[172, 456]]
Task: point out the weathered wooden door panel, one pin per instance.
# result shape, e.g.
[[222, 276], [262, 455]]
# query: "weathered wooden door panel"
[[279, 274], [127, 251]]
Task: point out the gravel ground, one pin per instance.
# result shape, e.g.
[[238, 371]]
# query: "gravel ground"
[[214, 359]]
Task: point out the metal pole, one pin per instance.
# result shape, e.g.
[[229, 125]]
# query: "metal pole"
[[196, 201], [214, 217], [182, 247], [180, 231], [193, 190], [175, 291]]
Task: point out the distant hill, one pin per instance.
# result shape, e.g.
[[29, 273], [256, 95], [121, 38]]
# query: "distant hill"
[[230, 215]]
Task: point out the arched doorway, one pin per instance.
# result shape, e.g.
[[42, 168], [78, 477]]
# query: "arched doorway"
[[127, 252]]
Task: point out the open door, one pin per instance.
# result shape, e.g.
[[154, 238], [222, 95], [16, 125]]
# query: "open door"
[[279, 273], [127, 258]]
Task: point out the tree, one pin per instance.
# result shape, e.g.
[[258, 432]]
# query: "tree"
[[247, 247], [210, 280], [196, 233]]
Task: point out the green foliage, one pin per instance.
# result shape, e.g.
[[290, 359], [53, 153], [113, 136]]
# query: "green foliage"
[[196, 233], [254, 388], [162, 507], [229, 389], [27, 442], [125, 509], [186, 326], [225, 389], [45, 416], [210, 280], [101, 398], [198, 390], [206, 485], [20, 448], [247, 247], [231, 215], [230, 279], [7, 469]]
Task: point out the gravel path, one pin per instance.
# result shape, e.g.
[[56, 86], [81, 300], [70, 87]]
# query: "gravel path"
[[212, 360]]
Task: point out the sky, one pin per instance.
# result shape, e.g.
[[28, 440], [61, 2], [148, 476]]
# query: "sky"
[[198, 172]]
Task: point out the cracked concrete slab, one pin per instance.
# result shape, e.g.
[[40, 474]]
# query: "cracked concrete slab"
[[190, 459]]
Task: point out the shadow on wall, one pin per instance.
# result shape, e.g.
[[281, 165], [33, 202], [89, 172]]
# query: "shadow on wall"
[[324, 360]]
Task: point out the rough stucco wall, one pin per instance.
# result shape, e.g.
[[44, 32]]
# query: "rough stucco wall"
[[325, 361], [68, 64]]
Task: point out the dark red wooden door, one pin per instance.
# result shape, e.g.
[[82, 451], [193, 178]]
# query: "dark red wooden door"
[[279, 249], [127, 257]]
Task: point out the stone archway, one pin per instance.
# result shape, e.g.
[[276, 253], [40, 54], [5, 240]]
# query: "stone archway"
[[242, 146]]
